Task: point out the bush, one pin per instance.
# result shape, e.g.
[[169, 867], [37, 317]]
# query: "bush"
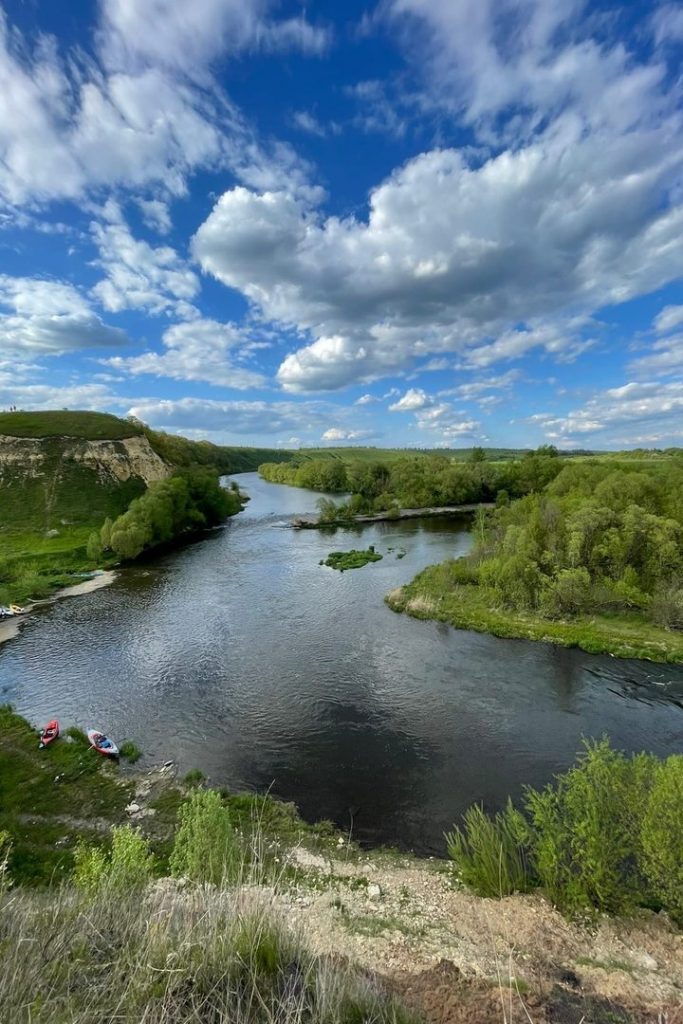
[[205, 848], [585, 830], [127, 867], [605, 836], [490, 853], [661, 837], [667, 607], [130, 751], [194, 777]]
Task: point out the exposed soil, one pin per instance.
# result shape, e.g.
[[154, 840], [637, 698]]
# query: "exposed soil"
[[460, 958]]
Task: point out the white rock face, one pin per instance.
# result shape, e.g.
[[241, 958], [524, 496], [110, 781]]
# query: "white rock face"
[[112, 460]]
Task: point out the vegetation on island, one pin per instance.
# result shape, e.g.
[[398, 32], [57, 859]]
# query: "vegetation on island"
[[353, 559], [604, 837], [593, 559]]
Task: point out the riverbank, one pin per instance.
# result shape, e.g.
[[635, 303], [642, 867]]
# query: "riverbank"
[[392, 516], [407, 924], [474, 607], [9, 627]]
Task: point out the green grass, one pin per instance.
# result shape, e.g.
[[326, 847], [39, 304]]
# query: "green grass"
[[50, 795], [91, 426], [33, 565], [353, 559], [623, 634]]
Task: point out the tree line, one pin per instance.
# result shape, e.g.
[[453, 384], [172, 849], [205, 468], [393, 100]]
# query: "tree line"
[[418, 481]]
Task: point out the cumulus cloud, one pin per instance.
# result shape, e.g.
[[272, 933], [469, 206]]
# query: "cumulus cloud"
[[229, 417], [636, 413], [201, 350], [414, 398], [38, 316], [453, 257], [473, 390], [46, 396], [138, 275]]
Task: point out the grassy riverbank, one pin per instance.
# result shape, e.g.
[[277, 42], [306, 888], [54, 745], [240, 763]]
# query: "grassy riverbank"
[[624, 634], [298, 925]]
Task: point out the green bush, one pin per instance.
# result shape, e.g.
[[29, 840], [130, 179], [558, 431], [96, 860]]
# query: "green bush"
[[585, 830], [661, 837], [128, 866], [490, 853], [205, 847], [605, 836], [130, 751]]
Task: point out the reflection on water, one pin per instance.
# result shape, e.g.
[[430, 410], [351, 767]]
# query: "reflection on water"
[[242, 656]]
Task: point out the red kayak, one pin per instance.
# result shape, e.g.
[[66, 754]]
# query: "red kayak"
[[102, 744], [49, 733]]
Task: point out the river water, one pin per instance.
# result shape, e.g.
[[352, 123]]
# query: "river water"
[[244, 657]]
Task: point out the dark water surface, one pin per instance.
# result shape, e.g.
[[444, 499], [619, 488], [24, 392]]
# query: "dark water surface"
[[242, 656]]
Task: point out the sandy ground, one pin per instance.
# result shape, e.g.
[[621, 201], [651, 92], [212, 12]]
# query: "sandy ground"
[[404, 918], [9, 628]]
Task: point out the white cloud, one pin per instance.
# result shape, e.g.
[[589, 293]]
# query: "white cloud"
[[665, 356], [307, 122], [201, 350], [366, 400], [231, 417], [148, 113], [156, 215], [667, 23], [45, 396], [140, 276], [623, 415], [668, 318], [337, 434], [414, 398], [189, 39], [475, 388], [455, 257], [49, 317]]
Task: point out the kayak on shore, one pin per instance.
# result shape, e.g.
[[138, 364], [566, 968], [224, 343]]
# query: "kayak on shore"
[[102, 744], [49, 734]]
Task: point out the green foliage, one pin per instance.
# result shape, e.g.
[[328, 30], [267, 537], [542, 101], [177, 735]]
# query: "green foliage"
[[216, 961], [94, 549], [490, 853], [353, 559], [130, 751], [194, 777], [661, 836], [188, 501], [605, 836], [205, 848], [585, 831], [127, 867]]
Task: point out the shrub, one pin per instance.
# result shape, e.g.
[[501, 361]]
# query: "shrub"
[[130, 751], [127, 867], [490, 853], [661, 836], [194, 777], [205, 848], [585, 831], [667, 607]]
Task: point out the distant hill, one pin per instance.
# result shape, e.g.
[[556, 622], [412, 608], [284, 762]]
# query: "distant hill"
[[61, 468]]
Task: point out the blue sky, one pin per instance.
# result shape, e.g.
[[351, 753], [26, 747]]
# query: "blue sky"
[[429, 223]]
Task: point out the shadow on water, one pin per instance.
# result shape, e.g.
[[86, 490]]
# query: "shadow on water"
[[242, 656]]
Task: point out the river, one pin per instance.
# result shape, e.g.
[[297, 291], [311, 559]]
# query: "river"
[[244, 657]]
